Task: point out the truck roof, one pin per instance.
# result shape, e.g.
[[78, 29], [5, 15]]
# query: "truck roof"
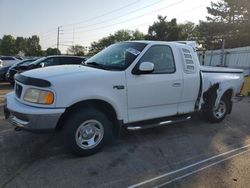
[[193, 44]]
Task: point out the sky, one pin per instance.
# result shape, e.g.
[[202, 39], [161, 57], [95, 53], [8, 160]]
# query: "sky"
[[84, 21]]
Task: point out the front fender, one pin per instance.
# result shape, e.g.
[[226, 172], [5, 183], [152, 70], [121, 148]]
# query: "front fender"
[[120, 112]]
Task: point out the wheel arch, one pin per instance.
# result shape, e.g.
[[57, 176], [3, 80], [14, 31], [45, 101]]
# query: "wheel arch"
[[99, 104], [229, 94], [214, 94]]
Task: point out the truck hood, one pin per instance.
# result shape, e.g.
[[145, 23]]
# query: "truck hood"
[[74, 83], [56, 71], [75, 76]]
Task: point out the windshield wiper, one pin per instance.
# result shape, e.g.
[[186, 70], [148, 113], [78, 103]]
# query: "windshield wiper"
[[94, 64], [102, 66]]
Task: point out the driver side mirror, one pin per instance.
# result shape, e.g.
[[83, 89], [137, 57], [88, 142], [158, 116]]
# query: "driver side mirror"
[[143, 68]]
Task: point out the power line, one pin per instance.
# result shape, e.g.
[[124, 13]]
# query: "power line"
[[146, 23], [173, 4], [48, 31], [65, 45], [70, 33], [131, 19], [109, 32], [49, 46], [117, 17], [49, 37], [105, 14], [136, 17], [195, 8]]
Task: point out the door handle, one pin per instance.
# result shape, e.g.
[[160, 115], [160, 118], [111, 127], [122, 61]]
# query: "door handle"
[[176, 84]]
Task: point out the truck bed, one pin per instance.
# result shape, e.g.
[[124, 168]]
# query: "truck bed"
[[220, 69]]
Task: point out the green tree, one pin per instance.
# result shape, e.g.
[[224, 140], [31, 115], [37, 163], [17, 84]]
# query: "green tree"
[[228, 20], [52, 51], [77, 50], [33, 48], [165, 31], [189, 31], [118, 36], [8, 45], [20, 45]]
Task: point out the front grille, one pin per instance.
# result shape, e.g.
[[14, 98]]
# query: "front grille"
[[18, 90]]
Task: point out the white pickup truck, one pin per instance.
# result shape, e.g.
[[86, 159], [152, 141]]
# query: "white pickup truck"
[[135, 85]]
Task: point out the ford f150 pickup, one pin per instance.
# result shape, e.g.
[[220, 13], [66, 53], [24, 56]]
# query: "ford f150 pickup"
[[135, 85]]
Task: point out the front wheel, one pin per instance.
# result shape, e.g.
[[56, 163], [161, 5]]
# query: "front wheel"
[[86, 132], [216, 115]]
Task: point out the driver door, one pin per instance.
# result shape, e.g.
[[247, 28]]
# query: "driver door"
[[156, 94]]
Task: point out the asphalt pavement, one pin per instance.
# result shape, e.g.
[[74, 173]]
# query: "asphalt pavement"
[[188, 154]]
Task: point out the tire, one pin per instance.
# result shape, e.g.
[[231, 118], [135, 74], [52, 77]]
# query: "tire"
[[85, 132], [217, 115]]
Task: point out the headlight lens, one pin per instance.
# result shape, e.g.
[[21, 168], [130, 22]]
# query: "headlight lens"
[[39, 96]]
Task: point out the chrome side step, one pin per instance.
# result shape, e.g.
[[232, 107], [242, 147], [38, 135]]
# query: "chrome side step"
[[147, 126]]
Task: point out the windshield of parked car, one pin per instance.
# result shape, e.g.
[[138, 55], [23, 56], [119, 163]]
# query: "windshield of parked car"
[[117, 56], [26, 62], [21, 63]]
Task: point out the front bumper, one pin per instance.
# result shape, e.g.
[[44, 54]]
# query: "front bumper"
[[31, 118]]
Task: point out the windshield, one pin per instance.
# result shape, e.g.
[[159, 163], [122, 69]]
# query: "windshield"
[[26, 62], [117, 56], [21, 63]]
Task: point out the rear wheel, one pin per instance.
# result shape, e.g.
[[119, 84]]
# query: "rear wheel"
[[86, 132], [216, 115]]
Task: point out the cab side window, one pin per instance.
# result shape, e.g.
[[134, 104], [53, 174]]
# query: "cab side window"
[[162, 58]]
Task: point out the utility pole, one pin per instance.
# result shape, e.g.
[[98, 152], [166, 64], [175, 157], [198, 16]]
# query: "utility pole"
[[73, 42], [58, 37], [223, 52]]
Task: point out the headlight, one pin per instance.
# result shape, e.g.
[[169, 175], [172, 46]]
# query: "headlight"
[[38, 96]]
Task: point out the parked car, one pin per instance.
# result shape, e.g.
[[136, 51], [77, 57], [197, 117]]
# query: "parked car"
[[5, 63], [14, 69], [3, 71], [133, 85], [9, 60], [50, 61]]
